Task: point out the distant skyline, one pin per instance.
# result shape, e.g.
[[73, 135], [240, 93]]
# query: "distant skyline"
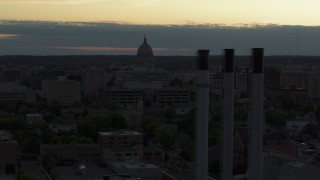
[[164, 12], [174, 27], [91, 38]]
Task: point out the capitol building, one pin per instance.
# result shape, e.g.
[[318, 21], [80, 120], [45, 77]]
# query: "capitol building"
[[146, 60]]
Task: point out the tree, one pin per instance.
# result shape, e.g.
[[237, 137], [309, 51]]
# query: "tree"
[[187, 151], [311, 130], [12, 122], [214, 168], [89, 126], [48, 163], [215, 111], [240, 114], [55, 108], [176, 83], [287, 103], [149, 125], [28, 176], [186, 123], [213, 137], [111, 106], [171, 114], [31, 145], [46, 136], [39, 123], [71, 140], [275, 118], [165, 135]]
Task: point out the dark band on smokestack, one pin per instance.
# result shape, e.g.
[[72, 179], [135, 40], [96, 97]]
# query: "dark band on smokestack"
[[229, 59], [257, 54], [203, 56]]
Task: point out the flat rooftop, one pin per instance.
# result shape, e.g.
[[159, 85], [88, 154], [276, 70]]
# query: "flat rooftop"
[[139, 166], [119, 133], [5, 136]]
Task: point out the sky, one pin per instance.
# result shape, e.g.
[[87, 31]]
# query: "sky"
[[173, 27], [284, 12]]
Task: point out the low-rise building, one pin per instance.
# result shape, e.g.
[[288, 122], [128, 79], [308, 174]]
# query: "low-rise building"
[[72, 152], [63, 128], [31, 118], [121, 146], [122, 96], [8, 155], [152, 154], [174, 96], [142, 171]]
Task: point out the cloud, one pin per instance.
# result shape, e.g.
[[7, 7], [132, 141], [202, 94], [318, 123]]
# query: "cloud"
[[40, 37], [6, 36], [53, 1]]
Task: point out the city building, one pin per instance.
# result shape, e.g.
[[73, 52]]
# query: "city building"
[[13, 92], [8, 156], [142, 171], [63, 128], [296, 125], [152, 154], [121, 145], [174, 96], [146, 60], [313, 81], [66, 92], [122, 96], [32, 118], [72, 152], [297, 79], [93, 79], [141, 79], [272, 77]]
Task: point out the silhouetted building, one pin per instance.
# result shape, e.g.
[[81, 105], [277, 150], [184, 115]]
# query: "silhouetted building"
[[8, 155], [146, 60], [94, 79], [66, 92], [121, 146], [72, 152], [14, 92]]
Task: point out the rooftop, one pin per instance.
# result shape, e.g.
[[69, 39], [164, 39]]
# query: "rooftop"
[[119, 133], [139, 166], [4, 136]]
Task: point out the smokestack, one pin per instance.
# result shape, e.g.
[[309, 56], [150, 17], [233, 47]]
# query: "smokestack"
[[202, 115], [255, 171], [228, 103]]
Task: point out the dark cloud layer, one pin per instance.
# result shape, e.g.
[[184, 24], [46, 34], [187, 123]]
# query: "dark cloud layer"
[[54, 38]]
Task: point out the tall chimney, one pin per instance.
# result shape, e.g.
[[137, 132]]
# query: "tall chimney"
[[228, 103], [202, 115], [255, 171]]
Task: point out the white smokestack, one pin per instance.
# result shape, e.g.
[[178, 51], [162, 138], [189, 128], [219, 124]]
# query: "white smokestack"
[[228, 103], [202, 116], [255, 171]]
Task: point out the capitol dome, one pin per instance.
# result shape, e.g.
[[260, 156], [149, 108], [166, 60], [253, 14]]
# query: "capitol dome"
[[145, 49]]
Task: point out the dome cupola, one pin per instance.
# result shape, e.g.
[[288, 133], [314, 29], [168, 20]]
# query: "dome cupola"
[[145, 49]]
